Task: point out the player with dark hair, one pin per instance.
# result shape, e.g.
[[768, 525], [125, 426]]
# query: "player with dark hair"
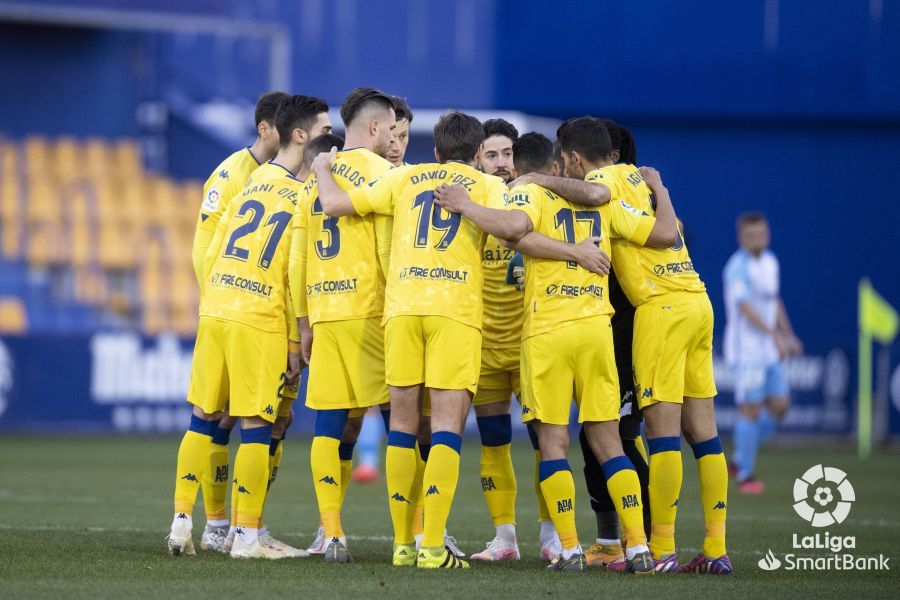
[[399, 144], [432, 318], [567, 342], [499, 377], [337, 283], [225, 182], [672, 348], [496, 156], [247, 349]]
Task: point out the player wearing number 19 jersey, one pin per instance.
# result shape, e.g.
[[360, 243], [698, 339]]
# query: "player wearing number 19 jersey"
[[432, 315], [338, 284]]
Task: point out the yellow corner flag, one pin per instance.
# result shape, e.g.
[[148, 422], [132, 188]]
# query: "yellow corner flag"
[[877, 320]]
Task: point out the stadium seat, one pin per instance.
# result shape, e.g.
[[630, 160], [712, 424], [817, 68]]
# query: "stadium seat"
[[13, 317]]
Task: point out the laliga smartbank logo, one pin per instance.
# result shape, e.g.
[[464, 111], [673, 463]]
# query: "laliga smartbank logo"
[[823, 496]]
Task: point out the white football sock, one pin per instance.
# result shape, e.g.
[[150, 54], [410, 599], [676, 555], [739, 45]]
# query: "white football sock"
[[567, 553], [507, 533], [632, 551]]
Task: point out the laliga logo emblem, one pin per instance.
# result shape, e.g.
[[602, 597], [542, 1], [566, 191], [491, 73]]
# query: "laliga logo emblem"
[[823, 496]]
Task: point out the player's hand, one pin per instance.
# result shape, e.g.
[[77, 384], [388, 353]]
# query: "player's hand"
[[322, 162], [292, 374], [306, 341], [590, 256], [788, 345], [522, 180], [451, 197], [519, 274], [651, 177]]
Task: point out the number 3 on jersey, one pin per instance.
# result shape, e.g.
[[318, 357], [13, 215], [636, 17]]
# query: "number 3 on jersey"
[[433, 217], [330, 229], [278, 221]]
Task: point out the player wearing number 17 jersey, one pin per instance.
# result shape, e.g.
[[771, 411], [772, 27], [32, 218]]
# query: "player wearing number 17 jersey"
[[432, 315], [672, 352]]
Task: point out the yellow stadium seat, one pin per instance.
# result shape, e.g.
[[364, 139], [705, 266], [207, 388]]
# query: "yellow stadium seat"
[[128, 158], [98, 158], [90, 286], [37, 155], [39, 251], [66, 159], [13, 318], [81, 248], [44, 201]]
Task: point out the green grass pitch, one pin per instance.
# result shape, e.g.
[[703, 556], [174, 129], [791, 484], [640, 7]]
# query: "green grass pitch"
[[87, 518]]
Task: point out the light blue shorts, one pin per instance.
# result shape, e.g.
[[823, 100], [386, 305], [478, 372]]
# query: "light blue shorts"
[[754, 383]]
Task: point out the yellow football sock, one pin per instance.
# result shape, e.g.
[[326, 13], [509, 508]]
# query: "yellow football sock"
[[664, 489], [401, 473], [544, 514], [251, 472], [558, 488], [625, 490], [215, 484], [193, 463], [326, 473], [439, 484], [713, 493], [639, 445], [276, 451], [498, 482]]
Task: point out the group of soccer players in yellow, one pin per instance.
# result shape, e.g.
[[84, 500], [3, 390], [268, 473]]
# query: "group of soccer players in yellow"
[[401, 286]]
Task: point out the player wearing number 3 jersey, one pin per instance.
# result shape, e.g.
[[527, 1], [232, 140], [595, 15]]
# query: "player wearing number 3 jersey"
[[338, 289], [432, 316]]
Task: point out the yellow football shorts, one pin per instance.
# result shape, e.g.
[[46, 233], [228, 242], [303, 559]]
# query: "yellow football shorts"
[[438, 351], [238, 367], [575, 361], [673, 348], [346, 369], [499, 378]]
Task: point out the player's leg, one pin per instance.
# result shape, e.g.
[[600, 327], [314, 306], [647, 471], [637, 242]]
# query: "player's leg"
[[633, 445], [662, 336], [215, 490], [699, 425], [370, 439], [777, 402], [401, 471], [551, 547], [749, 397], [207, 393], [608, 548], [452, 364], [558, 489], [256, 362], [423, 443], [498, 479], [598, 396], [625, 490], [276, 451], [700, 431]]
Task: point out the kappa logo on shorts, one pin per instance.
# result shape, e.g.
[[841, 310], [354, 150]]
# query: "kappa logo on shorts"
[[648, 393], [432, 490], [525, 410], [328, 479], [269, 410], [190, 477]]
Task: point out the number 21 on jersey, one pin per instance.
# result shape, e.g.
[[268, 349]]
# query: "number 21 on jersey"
[[277, 221]]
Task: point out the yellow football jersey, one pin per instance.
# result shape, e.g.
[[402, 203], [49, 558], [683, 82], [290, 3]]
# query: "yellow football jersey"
[[644, 272], [435, 266], [344, 279], [247, 276], [225, 182], [503, 307], [559, 292]]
